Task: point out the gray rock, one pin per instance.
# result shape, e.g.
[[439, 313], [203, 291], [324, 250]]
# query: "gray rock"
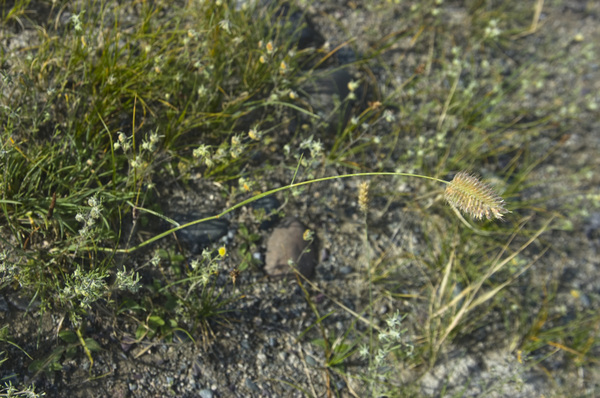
[[287, 243]]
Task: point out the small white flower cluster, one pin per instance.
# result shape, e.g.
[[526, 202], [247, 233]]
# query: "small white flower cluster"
[[353, 85], [201, 152], [89, 218], [8, 390], [314, 146], [491, 30], [245, 184], [225, 24], [192, 33], [84, 287], [390, 340], [155, 261], [147, 147], [234, 150], [76, 21], [237, 147], [204, 153], [271, 56], [388, 115], [159, 61], [127, 280], [269, 49], [203, 268], [150, 145], [122, 142]]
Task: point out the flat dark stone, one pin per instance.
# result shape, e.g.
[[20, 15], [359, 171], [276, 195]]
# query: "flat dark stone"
[[199, 236], [269, 204]]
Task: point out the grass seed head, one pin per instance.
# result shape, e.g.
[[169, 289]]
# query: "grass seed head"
[[471, 196], [363, 196]]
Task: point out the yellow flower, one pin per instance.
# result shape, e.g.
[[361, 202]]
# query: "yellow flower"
[[308, 235], [222, 251], [254, 134]]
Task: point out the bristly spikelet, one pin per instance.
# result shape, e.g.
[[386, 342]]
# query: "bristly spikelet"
[[363, 197], [468, 194]]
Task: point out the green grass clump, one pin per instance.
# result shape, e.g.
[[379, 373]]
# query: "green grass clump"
[[99, 107]]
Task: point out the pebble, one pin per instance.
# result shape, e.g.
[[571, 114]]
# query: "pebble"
[[262, 358], [245, 345], [206, 393], [252, 385], [345, 270], [311, 361]]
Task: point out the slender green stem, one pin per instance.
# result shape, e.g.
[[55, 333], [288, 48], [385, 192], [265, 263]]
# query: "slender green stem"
[[262, 195]]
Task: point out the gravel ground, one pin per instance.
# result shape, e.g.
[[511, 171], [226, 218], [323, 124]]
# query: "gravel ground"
[[257, 353]]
